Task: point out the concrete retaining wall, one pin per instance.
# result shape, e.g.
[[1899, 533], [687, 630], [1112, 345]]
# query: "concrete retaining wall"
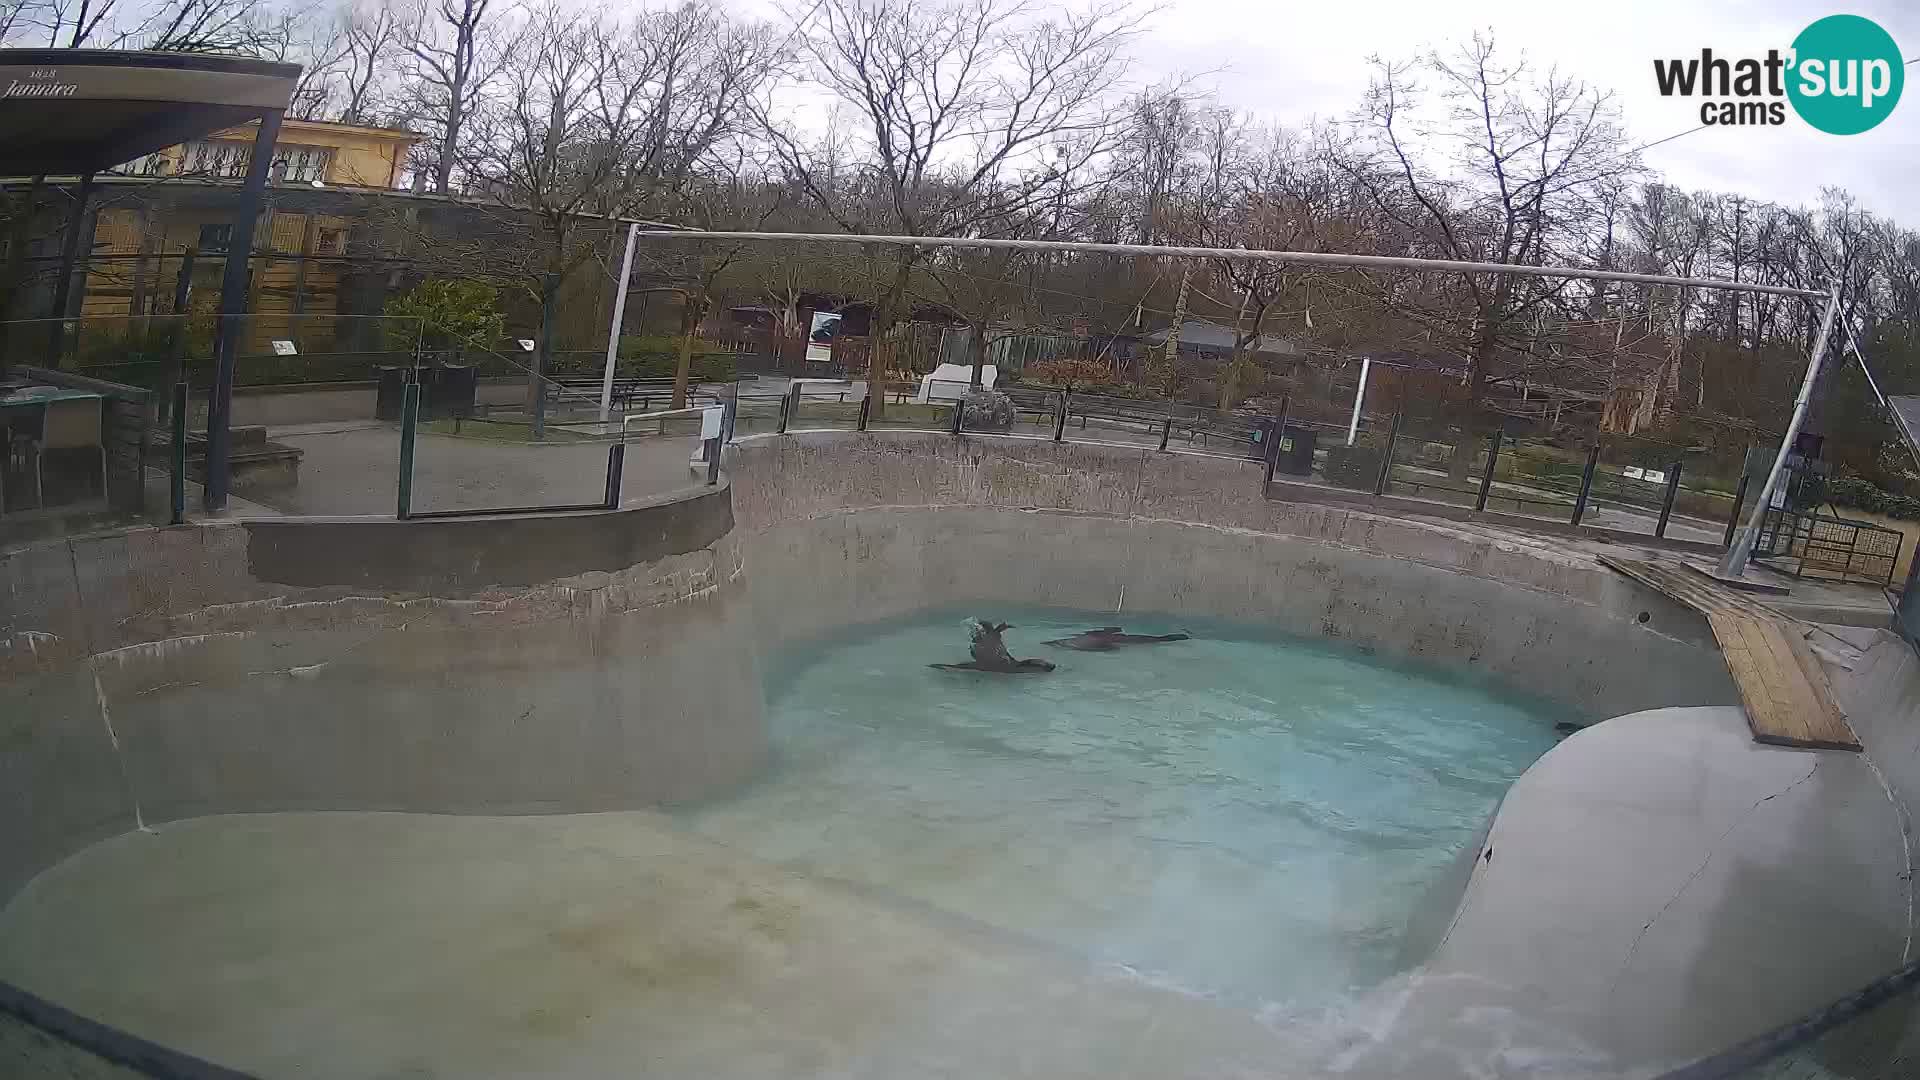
[[1640, 879], [843, 529], [434, 666]]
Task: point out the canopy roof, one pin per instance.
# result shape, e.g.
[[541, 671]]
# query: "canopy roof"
[[65, 112]]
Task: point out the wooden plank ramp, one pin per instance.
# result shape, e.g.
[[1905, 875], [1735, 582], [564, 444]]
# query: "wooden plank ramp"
[[1784, 688]]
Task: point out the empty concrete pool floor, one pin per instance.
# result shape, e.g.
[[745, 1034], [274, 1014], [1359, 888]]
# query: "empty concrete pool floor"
[[1781, 684], [390, 945]]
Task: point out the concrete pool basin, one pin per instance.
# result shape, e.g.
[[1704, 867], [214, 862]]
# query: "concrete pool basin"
[[1654, 888]]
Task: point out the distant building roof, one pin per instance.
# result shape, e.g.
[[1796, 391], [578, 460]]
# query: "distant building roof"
[[1207, 335]]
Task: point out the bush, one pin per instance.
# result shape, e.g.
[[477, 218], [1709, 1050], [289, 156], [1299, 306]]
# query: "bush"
[[442, 313], [1862, 495]]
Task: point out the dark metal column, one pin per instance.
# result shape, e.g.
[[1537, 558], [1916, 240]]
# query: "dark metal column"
[[69, 253], [233, 304]]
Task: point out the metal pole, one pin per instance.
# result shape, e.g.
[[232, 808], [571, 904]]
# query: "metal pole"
[[1166, 427], [409, 423], [1303, 258], [713, 462], [1277, 439], [1486, 475], [619, 321], [616, 471], [1060, 417], [1359, 396], [1666, 504], [1734, 563], [543, 359], [1386, 463], [69, 253], [233, 304], [959, 415], [1733, 519], [786, 404], [179, 452], [1586, 483], [866, 404]]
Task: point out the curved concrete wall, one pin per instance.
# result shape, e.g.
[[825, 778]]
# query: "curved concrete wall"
[[450, 665], [583, 662], [842, 529]]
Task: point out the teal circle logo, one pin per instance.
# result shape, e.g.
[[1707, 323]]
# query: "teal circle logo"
[[1847, 74]]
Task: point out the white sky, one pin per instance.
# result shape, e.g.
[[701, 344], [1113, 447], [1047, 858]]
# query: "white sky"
[[1295, 61]]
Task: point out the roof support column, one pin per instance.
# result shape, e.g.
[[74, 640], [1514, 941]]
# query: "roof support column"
[[233, 307], [63, 287]]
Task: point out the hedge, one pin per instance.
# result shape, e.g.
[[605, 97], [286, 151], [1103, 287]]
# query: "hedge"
[[1863, 495]]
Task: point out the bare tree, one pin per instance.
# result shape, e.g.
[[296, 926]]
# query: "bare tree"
[[1508, 172], [454, 49], [960, 114]]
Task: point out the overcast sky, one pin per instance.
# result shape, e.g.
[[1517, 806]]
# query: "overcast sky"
[[1293, 61]]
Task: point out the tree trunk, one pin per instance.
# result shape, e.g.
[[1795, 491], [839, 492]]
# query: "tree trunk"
[[689, 323], [877, 328], [1460, 463], [1230, 379]]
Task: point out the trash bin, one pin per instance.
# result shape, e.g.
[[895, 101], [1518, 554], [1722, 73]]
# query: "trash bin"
[[1296, 452], [454, 389], [387, 397]]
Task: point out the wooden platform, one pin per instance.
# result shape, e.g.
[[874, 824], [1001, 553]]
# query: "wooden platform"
[[1781, 682]]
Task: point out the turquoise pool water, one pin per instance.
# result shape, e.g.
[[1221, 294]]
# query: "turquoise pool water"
[[1244, 816]]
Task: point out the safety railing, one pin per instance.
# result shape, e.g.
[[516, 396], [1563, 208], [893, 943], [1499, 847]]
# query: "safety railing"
[[1815, 546]]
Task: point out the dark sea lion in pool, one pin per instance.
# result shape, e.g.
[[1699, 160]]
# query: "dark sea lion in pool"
[[990, 653], [1107, 638]]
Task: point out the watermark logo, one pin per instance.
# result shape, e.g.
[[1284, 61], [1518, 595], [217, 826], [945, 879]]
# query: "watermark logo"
[[1843, 75]]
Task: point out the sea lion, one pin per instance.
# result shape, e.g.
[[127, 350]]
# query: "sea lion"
[[1107, 638], [990, 653]]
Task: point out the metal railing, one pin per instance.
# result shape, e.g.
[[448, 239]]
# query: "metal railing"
[[1828, 547]]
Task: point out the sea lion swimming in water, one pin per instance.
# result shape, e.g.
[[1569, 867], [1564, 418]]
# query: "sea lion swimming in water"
[[1107, 638], [990, 653]]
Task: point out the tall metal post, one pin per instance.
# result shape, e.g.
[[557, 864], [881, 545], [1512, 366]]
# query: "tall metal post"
[[409, 424], [616, 472], [1060, 416], [1734, 563], [233, 303], [543, 359], [1733, 518], [177, 448], [1666, 503], [1381, 481], [1166, 427], [1586, 483], [1359, 396], [866, 405], [69, 253], [619, 321], [1486, 475]]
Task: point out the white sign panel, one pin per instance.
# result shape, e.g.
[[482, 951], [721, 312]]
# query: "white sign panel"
[[710, 422], [526, 344], [284, 348], [826, 327]]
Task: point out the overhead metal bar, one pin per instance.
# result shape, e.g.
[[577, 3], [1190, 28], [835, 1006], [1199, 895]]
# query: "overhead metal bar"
[[1304, 258]]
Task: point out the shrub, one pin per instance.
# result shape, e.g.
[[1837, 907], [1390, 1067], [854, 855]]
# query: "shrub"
[[1863, 495], [442, 313]]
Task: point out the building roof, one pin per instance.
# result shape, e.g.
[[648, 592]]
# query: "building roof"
[[1906, 417], [72, 111], [290, 127], [1200, 333]]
